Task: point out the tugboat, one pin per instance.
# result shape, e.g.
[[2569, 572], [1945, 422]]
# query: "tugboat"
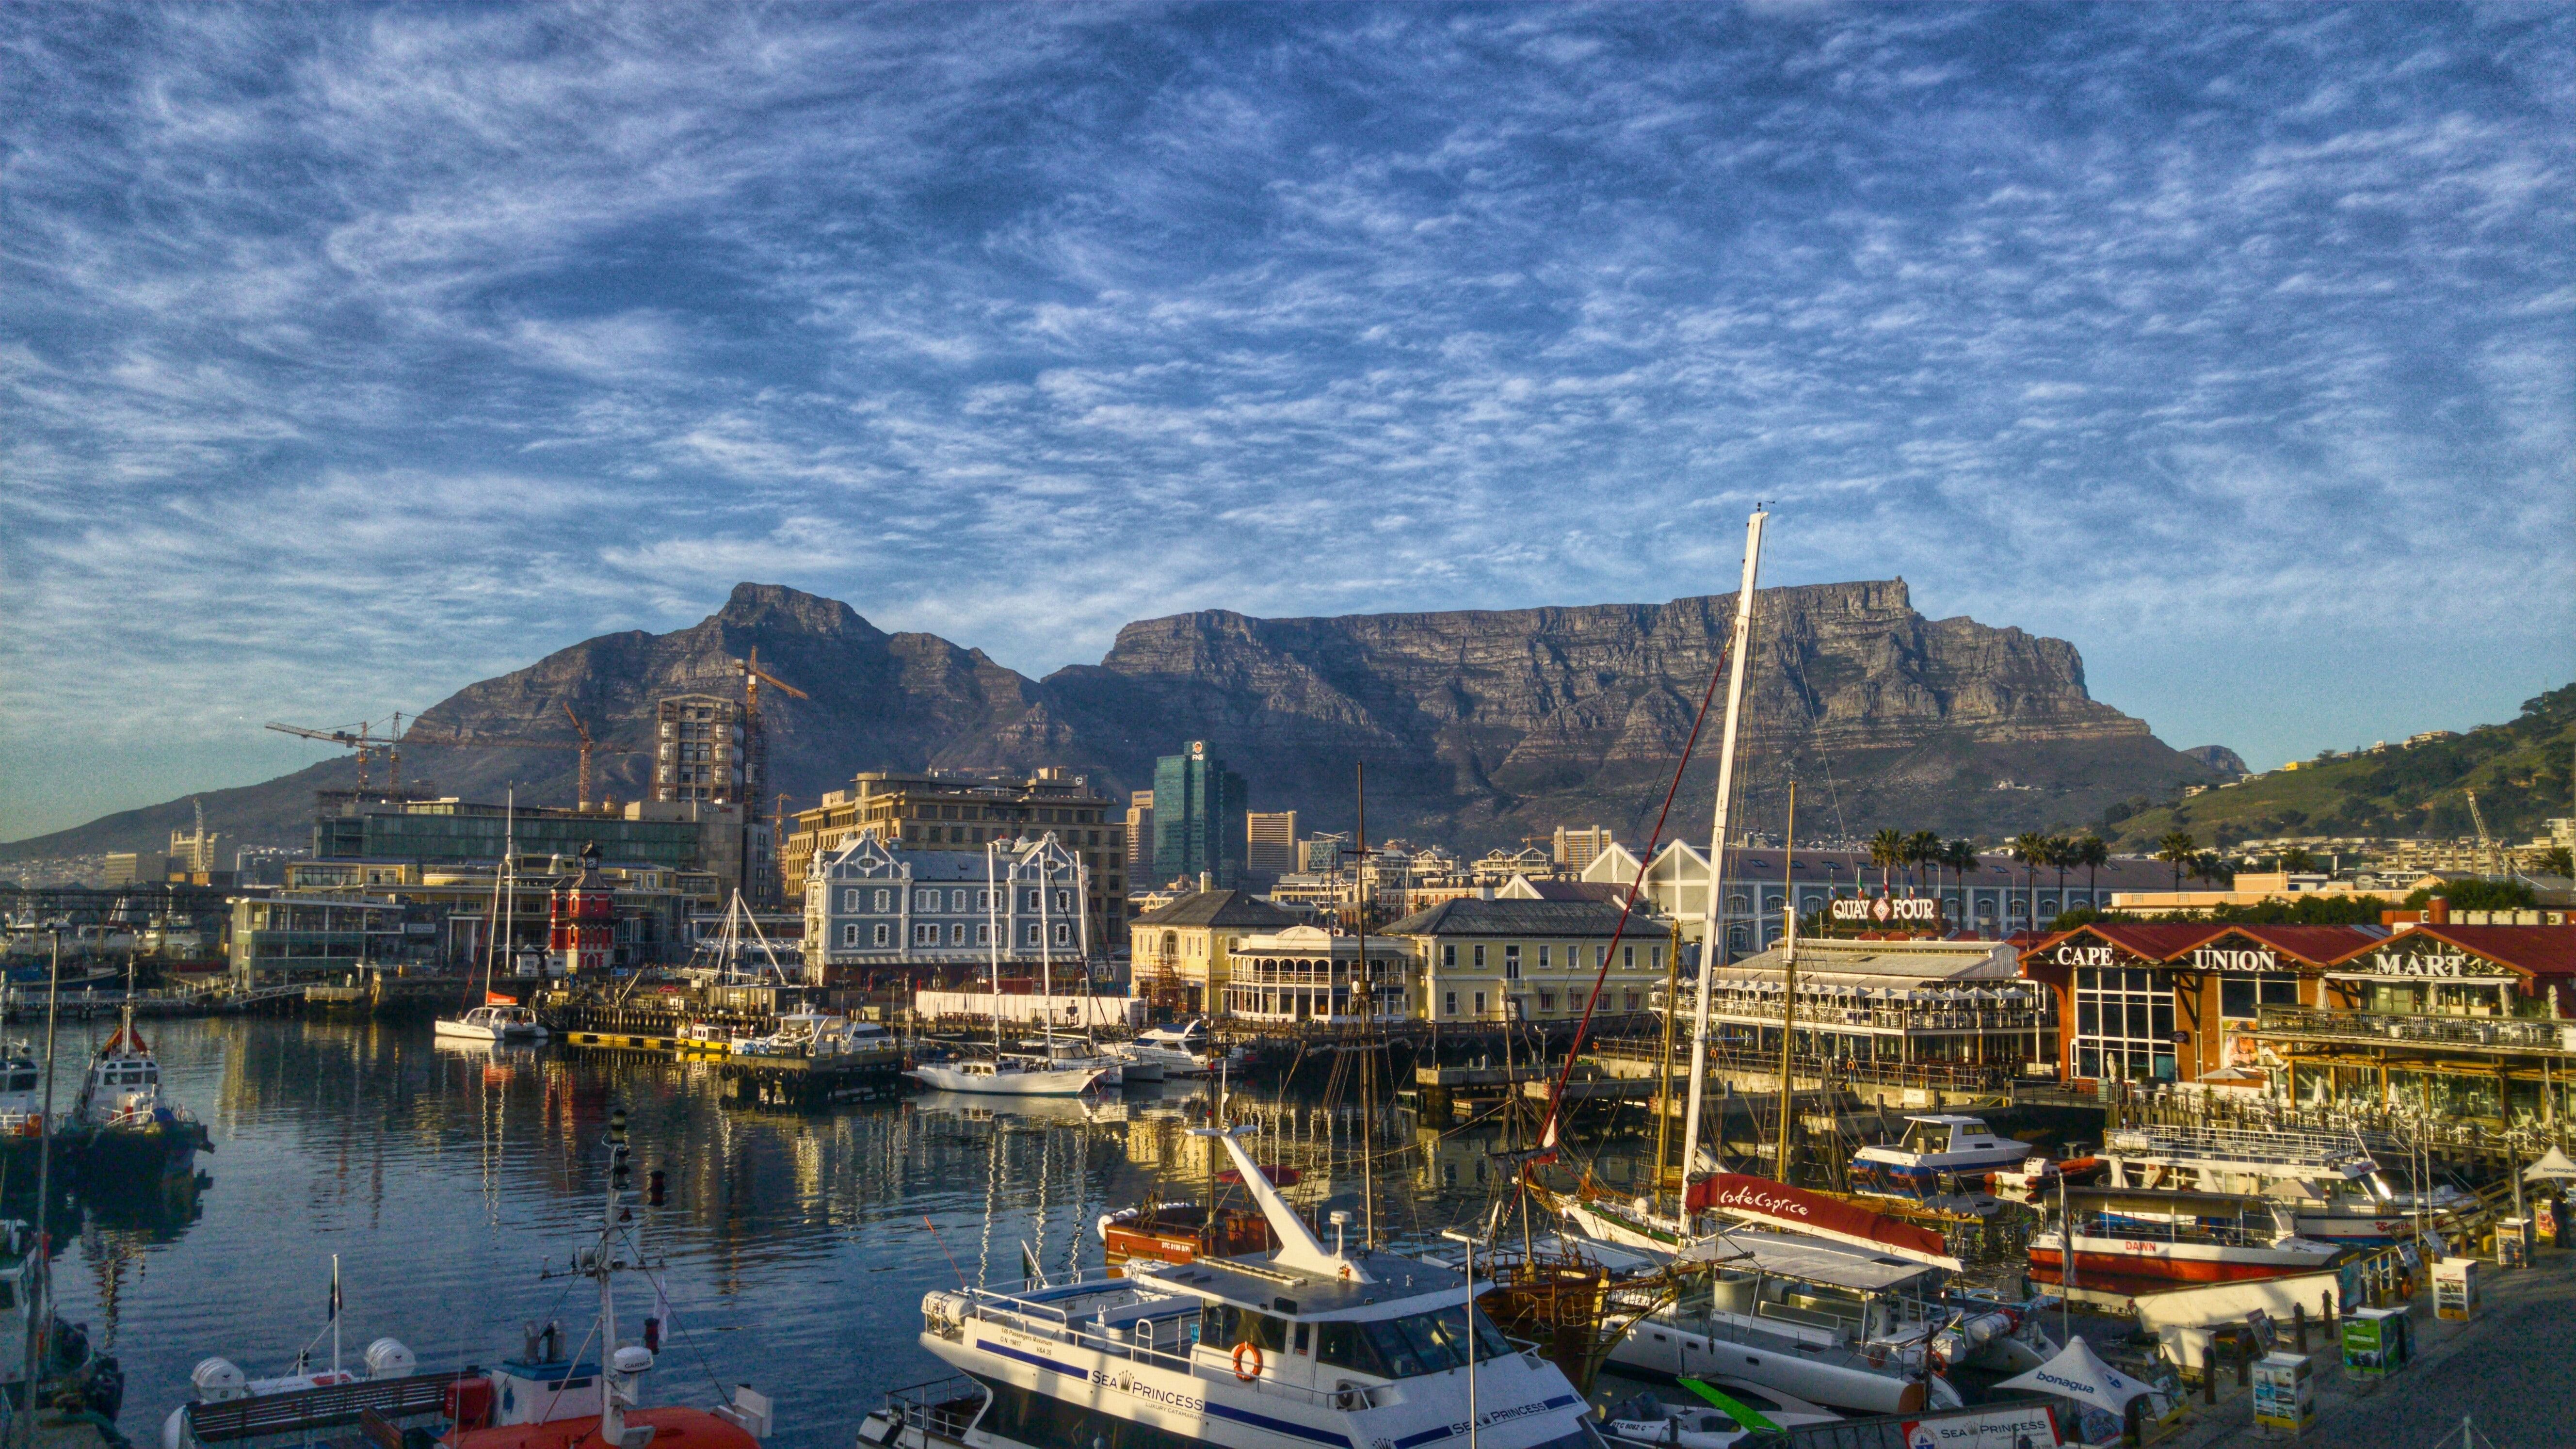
[[1307, 1346], [122, 1121]]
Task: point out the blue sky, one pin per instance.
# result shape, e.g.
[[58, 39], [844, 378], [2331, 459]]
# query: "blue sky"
[[351, 354]]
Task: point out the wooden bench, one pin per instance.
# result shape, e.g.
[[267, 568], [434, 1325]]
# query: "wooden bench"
[[304, 1410]]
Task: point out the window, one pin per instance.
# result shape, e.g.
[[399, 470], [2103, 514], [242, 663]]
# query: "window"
[[1547, 1001], [984, 935], [925, 900], [885, 900], [1032, 937], [1628, 1000], [1657, 953], [1448, 955], [849, 934], [1033, 903], [957, 901], [925, 935], [2124, 1025], [2238, 997], [1627, 958], [1543, 954], [957, 934], [1064, 900], [1448, 1003], [1063, 933], [1480, 955], [850, 899], [1511, 963], [1480, 1003], [884, 933]]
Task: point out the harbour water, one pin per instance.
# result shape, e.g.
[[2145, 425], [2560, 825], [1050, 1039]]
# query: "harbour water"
[[798, 1243]]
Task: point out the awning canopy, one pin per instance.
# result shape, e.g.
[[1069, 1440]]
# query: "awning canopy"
[[2553, 1166], [2078, 1373]]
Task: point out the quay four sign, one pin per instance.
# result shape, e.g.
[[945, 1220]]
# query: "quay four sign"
[[1888, 910]]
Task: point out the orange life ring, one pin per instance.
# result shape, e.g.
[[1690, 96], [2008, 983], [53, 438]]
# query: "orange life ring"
[[1256, 1360]]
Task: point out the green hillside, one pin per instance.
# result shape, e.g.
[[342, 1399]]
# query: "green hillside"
[[2520, 771]]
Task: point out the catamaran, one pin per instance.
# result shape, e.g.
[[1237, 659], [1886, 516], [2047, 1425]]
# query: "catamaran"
[[1010, 1074], [1305, 1347]]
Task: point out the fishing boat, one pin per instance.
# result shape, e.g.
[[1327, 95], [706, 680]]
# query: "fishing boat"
[[1015, 1074], [2336, 1185], [1304, 1347], [1935, 1147], [2126, 1241]]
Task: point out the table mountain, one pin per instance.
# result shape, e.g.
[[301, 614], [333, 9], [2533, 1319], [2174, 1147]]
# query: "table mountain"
[[1477, 727]]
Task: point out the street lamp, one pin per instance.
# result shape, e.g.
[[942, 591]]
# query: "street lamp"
[[1468, 1242]]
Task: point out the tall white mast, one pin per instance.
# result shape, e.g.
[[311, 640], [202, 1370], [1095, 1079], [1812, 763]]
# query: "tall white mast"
[[1046, 948], [1712, 949], [992, 901]]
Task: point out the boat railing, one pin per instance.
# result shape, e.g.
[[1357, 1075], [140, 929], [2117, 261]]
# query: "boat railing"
[[946, 1407], [300, 1413], [2300, 1151], [1142, 1342], [2142, 1229]]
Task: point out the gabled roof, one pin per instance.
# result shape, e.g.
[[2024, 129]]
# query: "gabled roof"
[[1503, 916], [1220, 908], [1522, 888], [2310, 945], [2531, 950], [2148, 940]]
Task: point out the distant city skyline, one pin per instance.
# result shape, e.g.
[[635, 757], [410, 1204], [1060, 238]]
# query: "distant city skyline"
[[356, 353]]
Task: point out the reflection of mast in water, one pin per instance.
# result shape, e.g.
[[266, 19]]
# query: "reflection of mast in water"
[[107, 1254]]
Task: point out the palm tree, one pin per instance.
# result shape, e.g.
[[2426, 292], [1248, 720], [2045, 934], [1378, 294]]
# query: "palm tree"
[[2176, 850], [2061, 854], [1923, 848], [2296, 858], [1961, 857], [1886, 851], [2031, 849], [2092, 854]]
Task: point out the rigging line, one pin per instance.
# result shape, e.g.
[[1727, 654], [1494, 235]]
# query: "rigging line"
[[1628, 904], [631, 1233]]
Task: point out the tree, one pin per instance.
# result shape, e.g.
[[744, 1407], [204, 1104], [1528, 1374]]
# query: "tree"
[[2092, 854], [1924, 848], [2031, 849], [2212, 867], [2297, 859], [2176, 850], [2477, 894], [1886, 851], [2558, 861], [2061, 854]]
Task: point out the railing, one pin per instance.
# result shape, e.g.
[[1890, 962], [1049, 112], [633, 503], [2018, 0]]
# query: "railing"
[[2534, 1034], [1943, 1076], [945, 1407], [304, 1411], [2288, 1147], [1923, 1020]]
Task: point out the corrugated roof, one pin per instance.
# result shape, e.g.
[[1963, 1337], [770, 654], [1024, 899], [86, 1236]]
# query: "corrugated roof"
[[2150, 940], [1220, 908], [2532, 950], [1508, 917], [2314, 945]]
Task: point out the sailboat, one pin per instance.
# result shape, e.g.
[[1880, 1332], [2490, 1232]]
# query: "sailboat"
[[1008, 1074], [500, 1017]]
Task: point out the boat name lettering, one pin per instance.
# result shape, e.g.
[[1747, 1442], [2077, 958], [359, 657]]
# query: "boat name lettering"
[[1167, 1398], [2209, 959], [1884, 909], [2085, 956], [1763, 1202], [2398, 963], [1498, 1416]]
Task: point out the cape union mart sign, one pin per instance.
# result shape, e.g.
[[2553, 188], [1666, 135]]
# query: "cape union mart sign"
[[2425, 963], [1887, 910], [2211, 958]]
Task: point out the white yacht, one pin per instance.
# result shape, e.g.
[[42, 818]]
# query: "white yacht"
[[1007, 1076], [22, 1095], [2335, 1188], [499, 1019], [1935, 1146], [820, 1035], [1182, 1049], [1304, 1347]]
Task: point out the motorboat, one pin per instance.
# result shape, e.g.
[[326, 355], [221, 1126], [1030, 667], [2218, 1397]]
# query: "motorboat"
[[1727, 1413], [2130, 1241], [1007, 1076], [22, 1095], [225, 1398], [1935, 1151], [123, 1116], [1179, 1232], [2336, 1185], [1184, 1049], [1074, 1051], [500, 1018], [823, 1036], [1307, 1346]]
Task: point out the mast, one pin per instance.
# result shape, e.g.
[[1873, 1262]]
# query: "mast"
[[991, 901], [1712, 943], [510, 875], [1788, 979], [1664, 1057], [1368, 1077], [1046, 954], [40, 1273]]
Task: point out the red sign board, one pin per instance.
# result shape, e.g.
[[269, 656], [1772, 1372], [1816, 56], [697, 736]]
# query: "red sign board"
[[1762, 1200]]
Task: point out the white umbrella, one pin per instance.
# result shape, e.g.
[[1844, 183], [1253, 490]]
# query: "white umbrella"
[[2078, 1373], [2553, 1166]]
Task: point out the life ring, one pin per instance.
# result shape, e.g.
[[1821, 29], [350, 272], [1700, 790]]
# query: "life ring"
[[1346, 1272], [1239, 1350]]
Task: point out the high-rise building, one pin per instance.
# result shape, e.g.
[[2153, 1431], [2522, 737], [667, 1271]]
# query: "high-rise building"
[[1270, 841], [1140, 833], [698, 751], [1198, 818], [1576, 849], [1322, 854]]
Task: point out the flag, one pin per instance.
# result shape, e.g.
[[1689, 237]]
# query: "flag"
[[495, 998]]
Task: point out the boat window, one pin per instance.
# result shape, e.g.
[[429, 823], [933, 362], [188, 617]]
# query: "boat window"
[[22, 1082], [1223, 1325], [1428, 1343], [1347, 1345]]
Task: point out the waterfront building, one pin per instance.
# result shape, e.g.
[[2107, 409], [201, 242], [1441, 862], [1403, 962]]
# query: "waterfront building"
[[651, 907], [1270, 841], [306, 937], [699, 751], [1489, 959], [1181, 955], [1198, 818], [960, 811], [877, 913], [1308, 974], [2445, 1023], [2177, 1001], [1887, 1004], [1996, 899]]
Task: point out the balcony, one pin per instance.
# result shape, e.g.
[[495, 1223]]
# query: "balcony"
[[2519, 1036]]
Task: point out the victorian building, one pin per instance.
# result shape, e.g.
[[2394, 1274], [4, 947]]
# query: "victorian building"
[[877, 914]]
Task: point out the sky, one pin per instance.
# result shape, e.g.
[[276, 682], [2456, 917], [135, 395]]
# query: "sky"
[[350, 354]]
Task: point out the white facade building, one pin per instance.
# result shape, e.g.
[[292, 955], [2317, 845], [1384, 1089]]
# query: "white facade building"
[[869, 906]]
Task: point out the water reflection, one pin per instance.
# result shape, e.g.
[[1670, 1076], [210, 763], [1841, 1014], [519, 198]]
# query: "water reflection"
[[797, 1245]]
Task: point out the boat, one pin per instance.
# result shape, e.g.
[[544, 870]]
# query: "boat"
[[1304, 1347], [545, 1398], [22, 1093], [499, 1018], [1935, 1147], [228, 1403], [2335, 1184], [2128, 1241], [823, 1036], [122, 1118], [67, 1368], [1179, 1232], [1010, 1074], [1730, 1412], [1183, 1049]]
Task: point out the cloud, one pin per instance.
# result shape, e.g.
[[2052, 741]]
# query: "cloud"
[[353, 353]]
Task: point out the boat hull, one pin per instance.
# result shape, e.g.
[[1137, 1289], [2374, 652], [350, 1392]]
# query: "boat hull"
[[1665, 1351], [1063, 1083], [2122, 1263]]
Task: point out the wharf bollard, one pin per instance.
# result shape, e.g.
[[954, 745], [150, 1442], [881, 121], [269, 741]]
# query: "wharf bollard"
[[2244, 1357], [2209, 1371], [2299, 1324]]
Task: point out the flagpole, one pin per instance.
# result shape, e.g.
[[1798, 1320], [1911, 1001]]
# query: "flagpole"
[[335, 1313]]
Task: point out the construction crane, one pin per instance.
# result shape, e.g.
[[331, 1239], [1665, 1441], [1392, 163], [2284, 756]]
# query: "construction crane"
[[2490, 861], [755, 733], [362, 741], [582, 730]]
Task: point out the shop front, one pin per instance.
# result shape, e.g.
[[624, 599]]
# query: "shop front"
[[2116, 998], [2223, 983]]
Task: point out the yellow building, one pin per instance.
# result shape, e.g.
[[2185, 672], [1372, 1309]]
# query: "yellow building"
[[1490, 959], [1181, 954]]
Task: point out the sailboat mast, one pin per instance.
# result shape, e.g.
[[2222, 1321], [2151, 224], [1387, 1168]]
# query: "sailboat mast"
[[1788, 978], [995, 958], [1046, 949], [1712, 947]]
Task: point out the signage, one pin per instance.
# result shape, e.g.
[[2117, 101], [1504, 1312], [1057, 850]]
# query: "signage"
[[1763, 1200], [2072, 954], [2424, 963], [2022, 1426], [1887, 910], [2211, 958]]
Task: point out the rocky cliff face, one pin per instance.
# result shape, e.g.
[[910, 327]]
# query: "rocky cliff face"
[[1476, 727]]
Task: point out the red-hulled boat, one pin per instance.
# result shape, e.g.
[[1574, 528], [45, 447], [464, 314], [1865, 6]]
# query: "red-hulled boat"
[[2142, 1241]]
